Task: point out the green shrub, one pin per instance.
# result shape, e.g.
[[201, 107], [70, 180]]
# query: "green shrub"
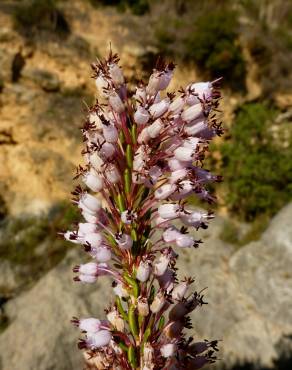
[[32, 16], [212, 43], [257, 167]]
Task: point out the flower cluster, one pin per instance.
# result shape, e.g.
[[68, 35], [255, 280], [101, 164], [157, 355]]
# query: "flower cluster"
[[144, 154]]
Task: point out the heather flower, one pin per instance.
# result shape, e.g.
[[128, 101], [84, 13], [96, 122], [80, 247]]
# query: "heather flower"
[[143, 152]]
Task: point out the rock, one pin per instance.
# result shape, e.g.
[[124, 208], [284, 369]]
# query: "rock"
[[8, 281], [40, 336], [47, 80]]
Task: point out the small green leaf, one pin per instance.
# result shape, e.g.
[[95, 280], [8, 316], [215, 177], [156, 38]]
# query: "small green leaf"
[[129, 156], [133, 321], [134, 133], [132, 357], [127, 181], [121, 309]]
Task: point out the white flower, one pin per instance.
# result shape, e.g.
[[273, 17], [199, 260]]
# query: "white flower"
[[89, 217], [164, 191], [178, 175], [184, 154], [124, 241], [116, 74], [110, 133], [94, 118], [202, 89], [107, 151], [140, 94], [99, 339], [101, 84], [195, 127], [158, 302], [93, 181], [168, 350], [89, 203], [155, 128], [191, 142], [170, 234], [177, 105], [161, 264], [192, 113], [141, 116], [94, 239], [143, 271], [89, 268], [95, 160], [112, 174], [116, 102], [90, 325], [153, 84], [184, 241], [174, 164], [87, 278], [143, 137], [168, 211], [158, 109], [101, 254], [179, 291]]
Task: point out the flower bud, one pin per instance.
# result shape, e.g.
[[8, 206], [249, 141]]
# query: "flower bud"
[[99, 339], [192, 113], [148, 356], [202, 89], [116, 320], [93, 181], [168, 350], [121, 291], [107, 150], [196, 127], [141, 116], [158, 302], [178, 175], [153, 84], [143, 271], [158, 109]]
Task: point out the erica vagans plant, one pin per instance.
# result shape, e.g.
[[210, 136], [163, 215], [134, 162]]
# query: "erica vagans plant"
[[144, 153]]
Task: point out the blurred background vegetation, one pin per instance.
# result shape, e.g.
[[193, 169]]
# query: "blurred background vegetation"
[[46, 47]]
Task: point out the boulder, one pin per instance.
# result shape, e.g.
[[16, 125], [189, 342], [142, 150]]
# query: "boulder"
[[40, 335]]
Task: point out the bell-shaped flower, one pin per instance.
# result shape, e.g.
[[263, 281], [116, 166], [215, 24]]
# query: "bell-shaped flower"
[[180, 290], [121, 291], [93, 239], [115, 319], [92, 180], [141, 116], [89, 203], [116, 74], [116, 102], [170, 234], [112, 174], [158, 109], [161, 264], [124, 241], [100, 339], [169, 211], [164, 191], [143, 271], [184, 241], [192, 113], [158, 302], [110, 133]]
